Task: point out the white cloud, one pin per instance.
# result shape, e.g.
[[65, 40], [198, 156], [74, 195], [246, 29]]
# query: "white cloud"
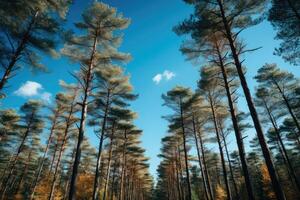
[[32, 89], [29, 89], [166, 75], [157, 78], [46, 96]]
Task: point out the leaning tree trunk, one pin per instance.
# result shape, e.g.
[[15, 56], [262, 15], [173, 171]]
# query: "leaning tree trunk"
[[185, 153], [237, 196], [180, 171], [284, 151], [45, 154], [61, 150], [289, 107], [199, 159], [84, 105], [99, 156], [266, 152], [109, 162], [238, 134], [14, 162], [221, 152], [124, 159]]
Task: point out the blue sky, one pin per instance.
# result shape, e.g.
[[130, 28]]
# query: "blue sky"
[[154, 48]]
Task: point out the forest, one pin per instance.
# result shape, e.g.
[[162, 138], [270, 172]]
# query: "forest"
[[47, 151]]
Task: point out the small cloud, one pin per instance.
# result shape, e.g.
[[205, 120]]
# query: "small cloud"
[[166, 75], [33, 89], [46, 96], [29, 89], [157, 78]]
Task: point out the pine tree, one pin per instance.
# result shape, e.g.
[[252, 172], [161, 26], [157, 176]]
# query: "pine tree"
[[27, 28], [176, 99], [94, 48], [284, 15], [114, 90], [229, 19], [31, 125]]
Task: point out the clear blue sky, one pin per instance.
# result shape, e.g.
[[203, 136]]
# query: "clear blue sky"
[[154, 48]]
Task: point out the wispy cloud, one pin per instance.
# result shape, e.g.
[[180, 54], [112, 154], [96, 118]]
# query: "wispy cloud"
[[33, 89], [166, 75], [157, 78]]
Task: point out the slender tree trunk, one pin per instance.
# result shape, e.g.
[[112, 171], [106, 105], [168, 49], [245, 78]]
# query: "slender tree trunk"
[[185, 154], [17, 53], [109, 161], [237, 196], [177, 176], [53, 157], [199, 159], [24, 173], [180, 172], [61, 151], [121, 195], [45, 154], [99, 156], [113, 182], [14, 162], [287, 103], [229, 197], [69, 173], [285, 154], [238, 134], [205, 169], [266, 152], [86, 94]]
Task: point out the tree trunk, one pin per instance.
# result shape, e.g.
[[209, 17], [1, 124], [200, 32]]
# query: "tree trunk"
[[61, 150], [205, 167], [238, 134], [86, 94], [285, 154], [109, 161], [221, 151], [14, 162], [199, 160], [266, 152], [45, 154], [185, 154], [287, 103], [99, 156], [121, 195], [237, 196]]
